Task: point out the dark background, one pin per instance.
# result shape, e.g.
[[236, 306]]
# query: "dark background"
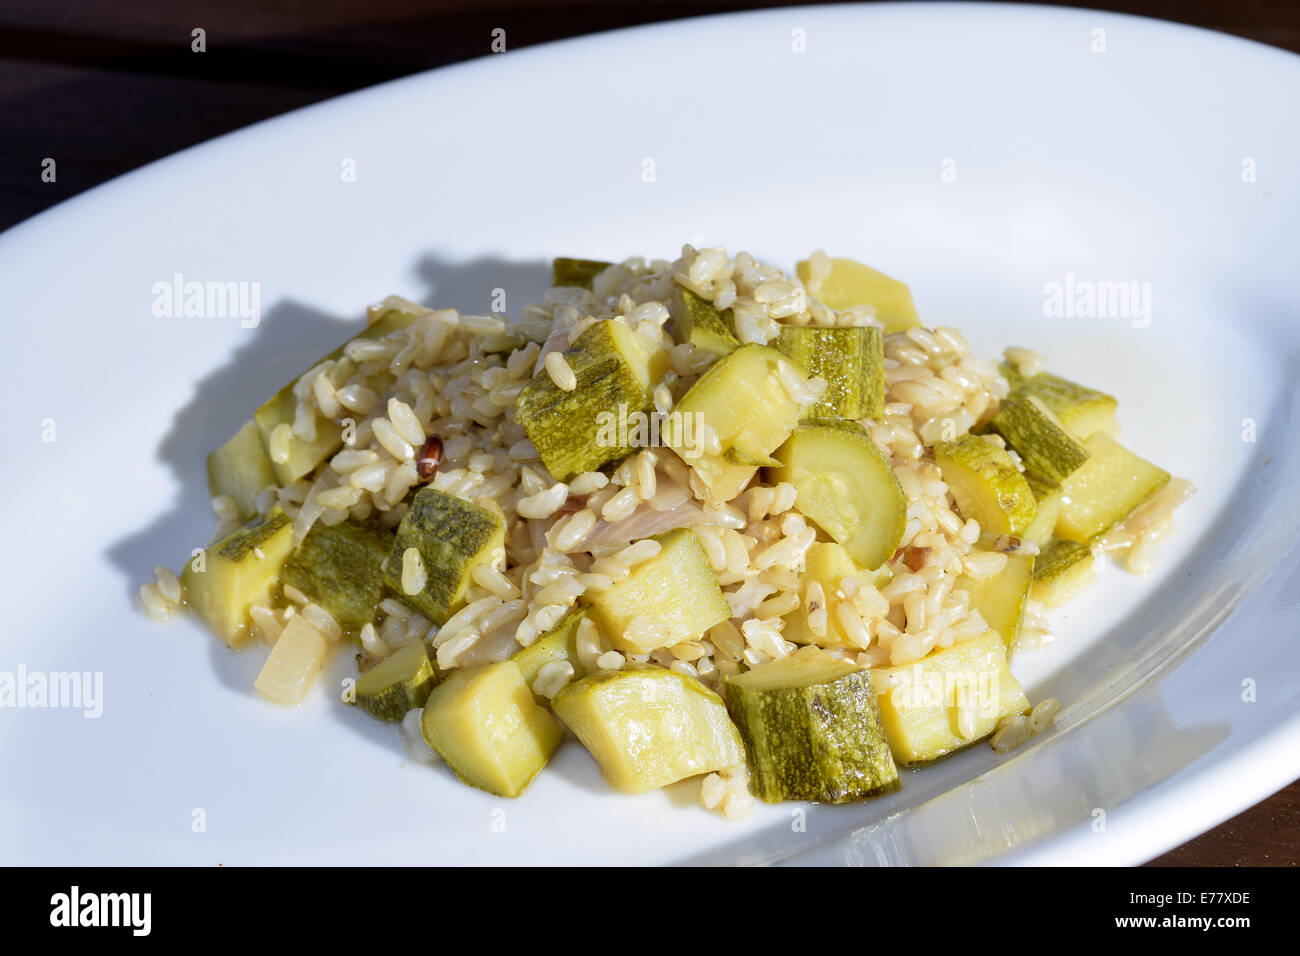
[[105, 87]]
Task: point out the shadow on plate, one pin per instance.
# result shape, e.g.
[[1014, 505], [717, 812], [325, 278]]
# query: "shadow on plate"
[[288, 340]]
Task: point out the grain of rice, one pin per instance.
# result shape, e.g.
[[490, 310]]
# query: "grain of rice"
[[552, 678], [778, 606], [1040, 718], [295, 595], [493, 580], [405, 423], [561, 374], [549, 616], [450, 651], [278, 447], [322, 620], [414, 576], [357, 398], [638, 553], [154, 604], [1011, 733], [572, 531], [610, 660], [391, 441], [622, 505], [268, 625], [588, 482], [850, 622], [544, 503], [984, 564]]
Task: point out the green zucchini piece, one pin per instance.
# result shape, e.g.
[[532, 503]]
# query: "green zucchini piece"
[[1084, 411], [742, 399], [560, 643], [986, 484], [340, 567], [1110, 484], [846, 486], [238, 571], [281, 408], [398, 684], [241, 469], [851, 283], [453, 537], [947, 700], [1038, 437], [1001, 598], [1061, 571], [702, 324], [484, 723], [812, 730], [577, 273], [648, 727], [850, 359], [578, 430], [677, 588]]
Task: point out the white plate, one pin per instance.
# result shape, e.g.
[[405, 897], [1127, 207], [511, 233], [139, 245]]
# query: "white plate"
[[1118, 165]]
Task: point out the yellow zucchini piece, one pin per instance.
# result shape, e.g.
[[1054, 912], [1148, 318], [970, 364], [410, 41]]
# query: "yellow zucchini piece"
[[241, 469], [851, 283], [846, 486], [579, 430], [648, 727], [677, 588], [1048, 494], [560, 643], [1109, 485], [240, 570], [578, 273], [340, 567], [850, 359], [1062, 570], [398, 684], [948, 700], [702, 324], [1001, 598], [742, 399], [1084, 411], [1038, 437], [453, 537], [812, 730], [484, 723], [986, 484]]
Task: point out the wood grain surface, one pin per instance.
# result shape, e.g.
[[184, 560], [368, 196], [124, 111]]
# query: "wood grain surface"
[[105, 88]]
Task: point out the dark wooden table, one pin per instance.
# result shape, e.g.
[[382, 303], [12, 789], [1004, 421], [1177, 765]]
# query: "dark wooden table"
[[105, 88]]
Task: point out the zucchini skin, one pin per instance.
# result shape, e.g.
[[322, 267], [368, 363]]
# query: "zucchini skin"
[[340, 567], [399, 683], [824, 742], [852, 361], [577, 273], [452, 536], [1043, 443]]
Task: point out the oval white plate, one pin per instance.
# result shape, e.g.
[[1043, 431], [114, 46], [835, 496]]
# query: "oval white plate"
[[979, 152]]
